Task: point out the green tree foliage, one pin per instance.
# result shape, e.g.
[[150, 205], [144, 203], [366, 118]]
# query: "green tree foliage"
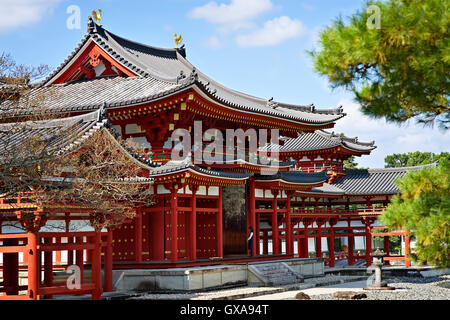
[[350, 163], [423, 207], [394, 56], [414, 159]]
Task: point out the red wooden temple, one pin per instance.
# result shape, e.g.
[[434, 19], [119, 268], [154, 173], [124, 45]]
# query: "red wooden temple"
[[298, 205]]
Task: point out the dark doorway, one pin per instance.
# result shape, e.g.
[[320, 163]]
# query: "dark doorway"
[[234, 220]]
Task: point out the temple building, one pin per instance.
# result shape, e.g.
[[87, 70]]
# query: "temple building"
[[302, 202]]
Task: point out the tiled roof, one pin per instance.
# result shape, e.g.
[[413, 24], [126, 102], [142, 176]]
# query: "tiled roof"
[[373, 181], [88, 95], [175, 166], [64, 134], [317, 140], [170, 66], [60, 134]]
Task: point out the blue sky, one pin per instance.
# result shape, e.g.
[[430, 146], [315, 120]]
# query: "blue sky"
[[255, 46]]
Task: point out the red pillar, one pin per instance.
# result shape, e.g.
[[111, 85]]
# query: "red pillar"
[[265, 242], [108, 285], [193, 225], [351, 248], [48, 267], [258, 238], [289, 241], [79, 258], [275, 242], [10, 268], [219, 225], [306, 245], [58, 260], [252, 212], [407, 249], [368, 246], [97, 267], [174, 224], [34, 265], [318, 239], [386, 248], [331, 246], [138, 235]]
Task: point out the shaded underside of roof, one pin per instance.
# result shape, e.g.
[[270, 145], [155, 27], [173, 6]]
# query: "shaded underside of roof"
[[318, 140], [296, 177]]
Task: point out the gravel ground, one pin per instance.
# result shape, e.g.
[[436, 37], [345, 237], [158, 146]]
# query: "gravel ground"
[[407, 288], [236, 293]]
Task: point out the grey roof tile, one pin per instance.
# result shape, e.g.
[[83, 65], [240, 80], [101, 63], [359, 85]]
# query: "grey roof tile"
[[373, 181], [167, 65], [317, 140]]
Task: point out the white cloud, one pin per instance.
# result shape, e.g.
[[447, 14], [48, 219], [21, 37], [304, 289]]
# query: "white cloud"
[[235, 12], [20, 13], [389, 138], [214, 42], [273, 32]]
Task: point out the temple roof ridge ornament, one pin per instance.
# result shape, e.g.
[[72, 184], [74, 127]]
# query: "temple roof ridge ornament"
[[272, 104]]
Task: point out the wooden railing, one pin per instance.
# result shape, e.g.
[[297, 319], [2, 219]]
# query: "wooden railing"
[[326, 211]]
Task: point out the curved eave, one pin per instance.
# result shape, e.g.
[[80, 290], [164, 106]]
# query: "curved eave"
[[319, 194], [191, 173], [280, 183], [253, 167], [249, 112], [333, 149]]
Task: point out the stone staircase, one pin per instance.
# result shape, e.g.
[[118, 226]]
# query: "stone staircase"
[[275, 273]]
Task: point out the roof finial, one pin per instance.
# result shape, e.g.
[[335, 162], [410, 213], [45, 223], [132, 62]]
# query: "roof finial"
[[90, 25], [97, 16], [177, 39]]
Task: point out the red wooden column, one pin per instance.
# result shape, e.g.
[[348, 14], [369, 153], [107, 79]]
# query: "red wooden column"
[[252, 212], [108, 262], [219, 225], [174, 223], [331, 247], [318, 244], [368, 222], [79, 257], [265, 242], [97, 266], [407, 249], [386, 248], [275, 242], [48, 267], [351, 248], [138, 235], [258, 237], [58, 260], [332, 222], [193, 225], [34, 265], [10, 268], [289, 235]]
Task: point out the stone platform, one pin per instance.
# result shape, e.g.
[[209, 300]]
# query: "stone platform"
[[207, 277]]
